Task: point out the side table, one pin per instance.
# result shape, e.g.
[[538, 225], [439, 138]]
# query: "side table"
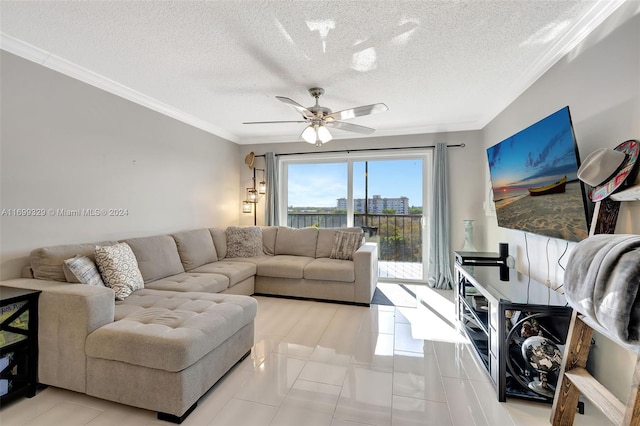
[[18, 342]]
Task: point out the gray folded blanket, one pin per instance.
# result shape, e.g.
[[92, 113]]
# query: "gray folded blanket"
[[602, 282]]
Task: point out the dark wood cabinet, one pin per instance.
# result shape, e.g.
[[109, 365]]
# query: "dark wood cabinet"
[[18, 342], [499, 316]]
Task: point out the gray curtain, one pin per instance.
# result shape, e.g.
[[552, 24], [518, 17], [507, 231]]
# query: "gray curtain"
[[271, 211], [439, 247]]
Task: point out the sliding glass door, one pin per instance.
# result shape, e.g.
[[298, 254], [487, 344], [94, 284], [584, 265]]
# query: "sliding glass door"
[[383, 193], [393, 211]]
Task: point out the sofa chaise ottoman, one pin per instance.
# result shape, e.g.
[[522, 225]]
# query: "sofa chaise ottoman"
[[165, 349], [158, 350]]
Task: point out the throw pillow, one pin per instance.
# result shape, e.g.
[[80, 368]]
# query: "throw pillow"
[[81, 269], [119, 269], [345, 244], [244, 241]]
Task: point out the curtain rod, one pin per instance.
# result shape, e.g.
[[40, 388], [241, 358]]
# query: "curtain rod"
[[460, 145]]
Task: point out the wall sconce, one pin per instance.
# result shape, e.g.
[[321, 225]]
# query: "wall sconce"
[[251, 198], [262, 185], [252, 195]]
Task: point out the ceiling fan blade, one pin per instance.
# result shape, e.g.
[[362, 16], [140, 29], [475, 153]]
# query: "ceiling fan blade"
[[272, 122], [293, 104], [357, 112], [350, 127]]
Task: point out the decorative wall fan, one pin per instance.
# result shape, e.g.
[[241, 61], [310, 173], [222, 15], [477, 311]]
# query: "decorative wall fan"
[[319, 118]]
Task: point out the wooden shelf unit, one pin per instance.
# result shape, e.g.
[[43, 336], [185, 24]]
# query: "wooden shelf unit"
[[575, 380]]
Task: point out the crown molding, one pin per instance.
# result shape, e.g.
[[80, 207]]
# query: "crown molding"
[[68, 68]]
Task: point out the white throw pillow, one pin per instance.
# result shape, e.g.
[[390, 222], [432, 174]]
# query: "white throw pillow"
[[119, 269], [81, 269]]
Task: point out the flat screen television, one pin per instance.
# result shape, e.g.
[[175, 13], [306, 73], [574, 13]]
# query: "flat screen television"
[[535, 183]]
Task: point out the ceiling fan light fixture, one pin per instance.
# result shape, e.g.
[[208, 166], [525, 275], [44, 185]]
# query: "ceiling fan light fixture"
[[323, 134], [316, 134], [309, 134], [318, 117]]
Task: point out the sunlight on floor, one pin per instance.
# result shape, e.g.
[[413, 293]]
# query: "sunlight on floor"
[[400, 270], [431, 313]]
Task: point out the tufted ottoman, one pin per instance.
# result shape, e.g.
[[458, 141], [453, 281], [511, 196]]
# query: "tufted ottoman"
[[165, 349]]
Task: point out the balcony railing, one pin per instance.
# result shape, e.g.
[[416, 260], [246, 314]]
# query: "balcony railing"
[[399, 237]]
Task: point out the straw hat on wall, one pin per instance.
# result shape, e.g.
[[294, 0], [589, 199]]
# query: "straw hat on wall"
[[250, 160]]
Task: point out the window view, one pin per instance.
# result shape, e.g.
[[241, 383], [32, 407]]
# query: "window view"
[[313, 191], [386, 201]]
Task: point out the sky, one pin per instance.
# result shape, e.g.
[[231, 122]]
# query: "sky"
[[320, 185], [538, 155]]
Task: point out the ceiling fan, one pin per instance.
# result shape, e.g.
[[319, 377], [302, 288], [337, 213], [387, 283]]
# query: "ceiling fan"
[[319, 118]]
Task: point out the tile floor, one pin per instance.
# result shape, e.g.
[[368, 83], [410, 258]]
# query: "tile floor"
[[330, 364]]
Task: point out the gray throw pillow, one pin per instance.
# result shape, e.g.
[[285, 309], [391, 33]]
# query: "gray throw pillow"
[[244, 241], [345, 244], [81, 269]]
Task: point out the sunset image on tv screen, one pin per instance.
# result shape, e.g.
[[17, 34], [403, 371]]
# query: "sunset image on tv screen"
[[535, 183]]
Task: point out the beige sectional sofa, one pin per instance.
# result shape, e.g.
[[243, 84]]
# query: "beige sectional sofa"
[[297, 263], [164, 346]]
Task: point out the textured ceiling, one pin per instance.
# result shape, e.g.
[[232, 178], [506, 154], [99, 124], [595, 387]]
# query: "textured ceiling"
[[438, 65]]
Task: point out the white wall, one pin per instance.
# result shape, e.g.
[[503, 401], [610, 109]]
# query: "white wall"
[[464, 163], [600, 81], [68, 145]]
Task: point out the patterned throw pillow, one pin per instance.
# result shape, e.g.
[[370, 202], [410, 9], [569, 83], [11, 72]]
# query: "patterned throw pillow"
[[244, 241], [81, 269], [345, 244], [119, 269]]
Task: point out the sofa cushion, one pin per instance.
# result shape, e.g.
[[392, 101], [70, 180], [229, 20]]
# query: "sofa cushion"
[[119, 269], [169, 330], [345, 244], [284, 266], [220, 241], [157, 256], [330, 270], [269, 234], [296, 242], [46, 262], [236, 271], [244, 241], [326, 237], [81, 269], [195, 248], [188, 281], [256, 260]]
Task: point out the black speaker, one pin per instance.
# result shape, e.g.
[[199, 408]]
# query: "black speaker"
[[503, 250]]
